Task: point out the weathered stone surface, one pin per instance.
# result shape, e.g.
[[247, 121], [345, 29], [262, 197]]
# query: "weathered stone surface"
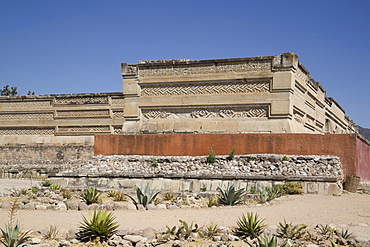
[[133, 238]]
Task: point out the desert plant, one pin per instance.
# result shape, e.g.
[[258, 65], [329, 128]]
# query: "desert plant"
[[154, 162], [34, 190], [345, 234], [66, 193], [323, 229], [290, 231], [285, 158], [211, 158], [111, 193], [55, 187], [251, 159], [268, 194], [169, 196], [253, 190], [269, 241], [230, 196], [119, 196], [90, 196], [12, 236], [250, 226], [212, 201], [24, 191], [262, 197], [46, 183], [292, 188], [211, 230], [183, 232], [203, 188], [231, 154], [98, 227], [52, 232], [144, 195]]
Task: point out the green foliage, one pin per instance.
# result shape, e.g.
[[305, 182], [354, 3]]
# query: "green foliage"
[[253, 190], [119, 196], [268, 194], [231, 154], [13, 236], [55, 187], [154, 162], [345, 234], [323, 229], [46, 183], [144, 195], [34, 190], [183, 232], [52, 232], [6, 91], [212, 201], [230, 196], [211, 158], [284, 158], [288, 230], [211, 230], [269, 241], [24, 191], [98, 227], [90, 196], [67, 193], [250, 226], [169, 196], [251, 159], [111, 193], [203, 188], [292, 188]]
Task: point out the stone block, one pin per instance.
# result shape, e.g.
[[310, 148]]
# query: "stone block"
[[311, 188]]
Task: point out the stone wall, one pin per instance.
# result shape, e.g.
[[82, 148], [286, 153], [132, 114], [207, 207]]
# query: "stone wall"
[[271, 94]]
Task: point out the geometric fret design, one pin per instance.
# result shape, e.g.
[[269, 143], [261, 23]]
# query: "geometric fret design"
[[27, 131], [83, 113], [206, 88]]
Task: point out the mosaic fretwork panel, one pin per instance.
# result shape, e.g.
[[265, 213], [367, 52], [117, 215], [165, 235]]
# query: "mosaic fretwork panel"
[[26, 104], [88, 113], [117, 114], [206, 88], [219, 68], [26, 116], [27, 131], [118, 101], [82, 100], [217, 112], [84, 129]]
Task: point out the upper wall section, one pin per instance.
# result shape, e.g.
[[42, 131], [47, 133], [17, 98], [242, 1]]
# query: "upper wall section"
[[72, 115], [271, 94]]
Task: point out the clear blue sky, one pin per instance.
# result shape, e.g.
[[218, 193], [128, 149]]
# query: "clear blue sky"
[[76, 46]]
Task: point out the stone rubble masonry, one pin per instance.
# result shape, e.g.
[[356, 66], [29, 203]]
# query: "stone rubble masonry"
[[318, 174]]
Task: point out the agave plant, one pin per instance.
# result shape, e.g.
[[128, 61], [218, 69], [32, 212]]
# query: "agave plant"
[[144, 196], [288, 230], [270, 241], [98, 227], [250, 226], [230, 196], [90, 196], [13, 236]]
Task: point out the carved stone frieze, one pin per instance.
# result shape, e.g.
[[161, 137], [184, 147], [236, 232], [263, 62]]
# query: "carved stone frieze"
[[26, 116], [117, 114], [84, 129], [27, 131], [85, 113], [26, 104], [82, 100], [211, 68], [206, 88], [214, 112], [301, 74]]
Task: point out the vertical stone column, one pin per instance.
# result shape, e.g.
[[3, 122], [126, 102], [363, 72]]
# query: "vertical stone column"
[[131, 92]]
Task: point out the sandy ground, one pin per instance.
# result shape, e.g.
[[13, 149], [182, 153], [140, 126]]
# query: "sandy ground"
[[350, 211]]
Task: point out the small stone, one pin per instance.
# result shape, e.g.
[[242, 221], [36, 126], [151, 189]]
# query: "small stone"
[[72, 205], [64, 243], [6, 205], [161, 206], [35, 240], [61, 207], [40, 207], [82, 206], [93, 207], [133, 238], [149, 233], [216, 238]]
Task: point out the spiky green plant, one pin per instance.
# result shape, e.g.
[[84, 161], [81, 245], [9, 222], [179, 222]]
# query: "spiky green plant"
[[98, 227], [269, 241], [288, 230], [90, 196], [144, 195], [55, 187], [345, 234], [250, 226], [46, 183], [119, 196], [12, 236], [231, 196], [211, 230], [231, 154], [211, 158]]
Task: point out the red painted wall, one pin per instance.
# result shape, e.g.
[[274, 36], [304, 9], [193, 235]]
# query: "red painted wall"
[[342, 145], [363, 160]]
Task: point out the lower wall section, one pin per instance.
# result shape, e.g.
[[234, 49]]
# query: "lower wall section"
[[341, 145], [323, 186], [363, 159]]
